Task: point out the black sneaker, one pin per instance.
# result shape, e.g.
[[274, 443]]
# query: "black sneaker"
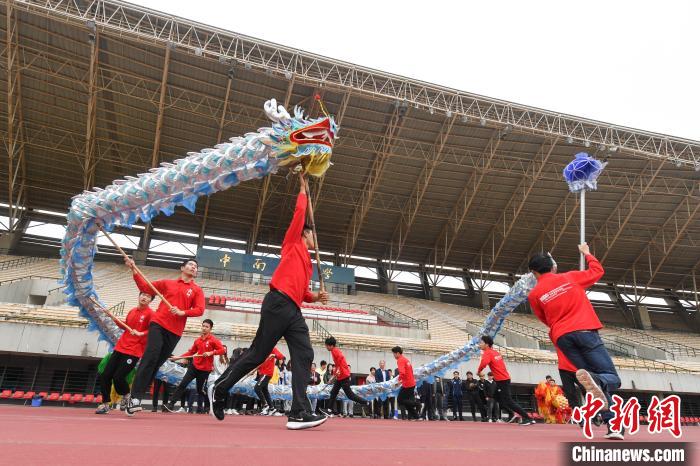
[[170, 407], [133, 406], [511, 419], [304, 420], [527, 422], [326, 412]]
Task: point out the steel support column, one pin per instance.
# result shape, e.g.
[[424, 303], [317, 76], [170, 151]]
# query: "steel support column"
[[338, 120], [667, 236], [90, 163], [15, 124], [155, 158], [451, 228], [410, 210], [219, 136], [265, 191], [617, 212], [561, 214], [373, 178], [515, 206]]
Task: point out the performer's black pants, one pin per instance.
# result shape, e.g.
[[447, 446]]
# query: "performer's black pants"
[[476, 403], [345, 385], [505, 399], [116, 370], [381, 408], [262, 391], [407, 399], [157, 384], [192, 374], [159, 348], [493, 410], [571, 387], [279, 317]]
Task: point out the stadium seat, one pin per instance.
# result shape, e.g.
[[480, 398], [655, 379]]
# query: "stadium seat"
[[54, 396], [98, 399], [28, 395], [5, 394], [18, 394], [43, 394], [65, 397], [78, 397], [89, 398]]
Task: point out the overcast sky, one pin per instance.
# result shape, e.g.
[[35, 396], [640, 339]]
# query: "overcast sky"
[[631, 63]]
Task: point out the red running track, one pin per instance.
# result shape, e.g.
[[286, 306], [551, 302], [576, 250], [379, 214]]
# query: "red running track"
[[74, 436]]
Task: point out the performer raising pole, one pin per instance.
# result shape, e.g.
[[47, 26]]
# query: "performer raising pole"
[[280, 316], [167, 324]]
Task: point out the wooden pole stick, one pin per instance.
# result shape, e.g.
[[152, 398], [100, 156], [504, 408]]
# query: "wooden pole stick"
[[112, 316], [136, 269], [313, 230]]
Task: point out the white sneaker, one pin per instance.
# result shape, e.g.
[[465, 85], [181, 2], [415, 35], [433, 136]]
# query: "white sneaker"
[[278, 414], [265, 411], [181, 410], [228, 412]]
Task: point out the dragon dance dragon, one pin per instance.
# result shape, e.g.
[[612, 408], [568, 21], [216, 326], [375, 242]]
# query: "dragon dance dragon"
[[296, 141]]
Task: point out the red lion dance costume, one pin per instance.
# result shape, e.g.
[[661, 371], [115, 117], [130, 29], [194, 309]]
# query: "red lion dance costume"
[[552, 404]]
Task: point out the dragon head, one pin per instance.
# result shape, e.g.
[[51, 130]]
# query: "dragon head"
[[299, 140]]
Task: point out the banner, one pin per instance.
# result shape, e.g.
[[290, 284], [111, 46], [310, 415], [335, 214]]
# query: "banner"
[[235, 262]]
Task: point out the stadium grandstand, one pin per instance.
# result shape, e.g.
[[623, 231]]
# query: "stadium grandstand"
[[435, 202]]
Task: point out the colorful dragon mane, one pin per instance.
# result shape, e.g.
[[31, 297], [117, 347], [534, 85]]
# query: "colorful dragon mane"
[[290, 141]]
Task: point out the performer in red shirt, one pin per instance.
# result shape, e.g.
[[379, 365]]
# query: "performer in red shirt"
[[167, 325], [265, 373], [202, 351], [127, 351], [342, 377], [560, 302], [280, 316], [407, 394], [492, 358]]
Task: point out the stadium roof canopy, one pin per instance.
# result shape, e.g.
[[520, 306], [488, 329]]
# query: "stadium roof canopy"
[[423, 174]]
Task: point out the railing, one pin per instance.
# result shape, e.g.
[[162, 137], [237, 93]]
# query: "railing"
[[320, 330], [392, 316], [28, 277], [387, 315], [659, 343], [9, 264], [118, 309]]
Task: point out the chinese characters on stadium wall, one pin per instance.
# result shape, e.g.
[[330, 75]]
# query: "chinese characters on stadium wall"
[[235, 262]]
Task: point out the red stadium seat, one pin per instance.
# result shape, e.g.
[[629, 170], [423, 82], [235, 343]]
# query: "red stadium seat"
[[65, 397], [98, 399], [28, 395], [43, 394], [54, 396], [89, 398], [78, 397], [5, 394], [18, 394]]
